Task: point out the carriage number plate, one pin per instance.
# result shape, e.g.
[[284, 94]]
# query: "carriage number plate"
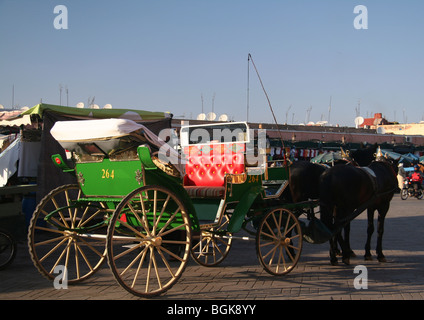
[[106, 174], [253, 178]]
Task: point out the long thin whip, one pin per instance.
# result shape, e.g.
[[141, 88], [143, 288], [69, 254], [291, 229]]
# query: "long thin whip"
[[249, 58]]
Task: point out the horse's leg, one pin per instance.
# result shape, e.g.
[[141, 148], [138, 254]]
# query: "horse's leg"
[[370, 231], [338, 251], [380, 231], [327, 218], [347, 241], [338, 212], [344, 247], [346, 235], [333, 251]]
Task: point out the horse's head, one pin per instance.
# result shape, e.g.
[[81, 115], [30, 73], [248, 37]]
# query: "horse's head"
[[379, 156], [391, 164], [347, 157], [384, 157], [365, 155]]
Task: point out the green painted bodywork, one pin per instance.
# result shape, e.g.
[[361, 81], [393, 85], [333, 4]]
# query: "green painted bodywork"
[[243, 207], [110, 181], [109, 178]]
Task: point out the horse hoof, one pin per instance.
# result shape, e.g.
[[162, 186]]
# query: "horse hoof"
[[334, 263], [352, 254], [382, 259], [346, 261], [368, 258]]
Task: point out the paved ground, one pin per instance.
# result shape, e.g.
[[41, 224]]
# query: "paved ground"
[[240, 276]]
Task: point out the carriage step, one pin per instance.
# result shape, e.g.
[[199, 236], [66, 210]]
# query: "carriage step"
[[239, 238], [100, 199]]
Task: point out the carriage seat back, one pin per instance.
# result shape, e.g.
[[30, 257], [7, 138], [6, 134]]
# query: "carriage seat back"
[[207, 165]]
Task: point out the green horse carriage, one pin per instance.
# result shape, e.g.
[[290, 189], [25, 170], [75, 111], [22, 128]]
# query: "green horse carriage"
[[147, 208]]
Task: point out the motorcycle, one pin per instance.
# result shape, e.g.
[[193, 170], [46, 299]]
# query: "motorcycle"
[[409, 191]]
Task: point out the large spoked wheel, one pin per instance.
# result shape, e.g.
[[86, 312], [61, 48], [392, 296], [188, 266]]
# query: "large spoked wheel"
[[279, 241], [67, 237], [148, 241], [8, 249], [212, 245]]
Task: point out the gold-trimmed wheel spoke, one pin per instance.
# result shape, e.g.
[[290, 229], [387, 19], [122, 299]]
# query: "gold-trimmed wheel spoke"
[[64, 231], [212, 245], [279, 241], [148, 241]]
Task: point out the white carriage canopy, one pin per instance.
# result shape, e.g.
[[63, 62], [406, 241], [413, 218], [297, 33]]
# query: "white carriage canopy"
[[86, 130]]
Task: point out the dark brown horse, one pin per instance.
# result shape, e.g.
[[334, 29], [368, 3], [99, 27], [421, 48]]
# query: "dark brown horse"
[[305, 175], [346, 191], [305, 184], [304, 187], [304, 180], [364, 155]]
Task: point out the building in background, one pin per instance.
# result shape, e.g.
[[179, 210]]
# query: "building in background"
[[373, 123], [408, 129]]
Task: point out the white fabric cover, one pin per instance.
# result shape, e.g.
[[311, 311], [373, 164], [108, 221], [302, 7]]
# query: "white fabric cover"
[[83, 130], [9, 161]]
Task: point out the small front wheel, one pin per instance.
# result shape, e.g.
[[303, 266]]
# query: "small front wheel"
[[213, 244], [148, 241], [404, 194], [279, 241]]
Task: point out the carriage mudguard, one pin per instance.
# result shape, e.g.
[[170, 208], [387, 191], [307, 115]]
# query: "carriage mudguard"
[[243, 207], [146, 158]]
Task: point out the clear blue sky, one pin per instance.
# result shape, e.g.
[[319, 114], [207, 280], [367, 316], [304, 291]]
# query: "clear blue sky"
[[165, 54]]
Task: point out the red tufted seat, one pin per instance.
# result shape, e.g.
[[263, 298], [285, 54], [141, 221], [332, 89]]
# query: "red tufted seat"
[[207, 166]]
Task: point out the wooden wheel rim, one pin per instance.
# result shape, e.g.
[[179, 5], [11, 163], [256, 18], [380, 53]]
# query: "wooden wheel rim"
[[279, 241], [51, 246], [147, 260]]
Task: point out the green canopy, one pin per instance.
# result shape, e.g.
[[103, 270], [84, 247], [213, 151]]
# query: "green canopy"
[[411, 157], [391, 154], [131, 114]]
